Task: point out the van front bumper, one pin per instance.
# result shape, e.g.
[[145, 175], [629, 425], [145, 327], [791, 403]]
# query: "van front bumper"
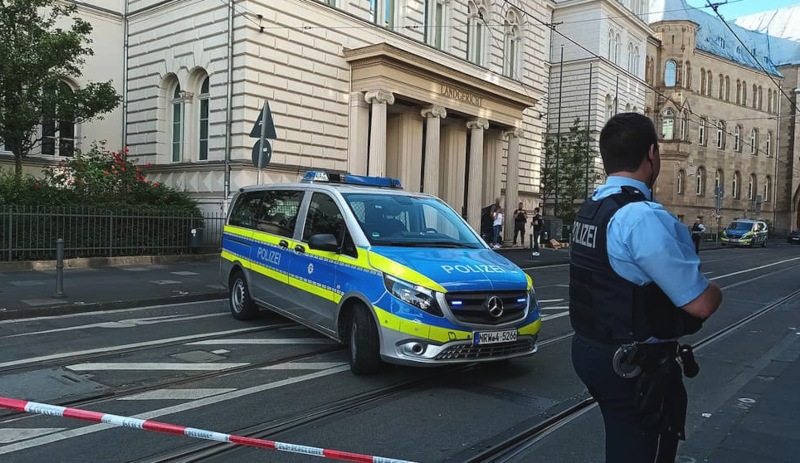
[[399, 348]]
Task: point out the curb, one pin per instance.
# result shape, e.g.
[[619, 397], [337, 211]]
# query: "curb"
[[99, 262], [67, 309]]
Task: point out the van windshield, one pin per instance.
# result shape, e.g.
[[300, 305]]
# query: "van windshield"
[[740, 226], [413, 221]]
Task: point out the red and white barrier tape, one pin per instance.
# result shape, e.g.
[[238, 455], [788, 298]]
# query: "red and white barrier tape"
[[150, 425]]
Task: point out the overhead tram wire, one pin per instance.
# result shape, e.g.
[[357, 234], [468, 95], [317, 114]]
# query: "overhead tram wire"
[[715, 6], [699, 118]]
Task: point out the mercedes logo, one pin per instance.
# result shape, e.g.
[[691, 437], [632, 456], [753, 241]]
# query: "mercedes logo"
[[495, 306]]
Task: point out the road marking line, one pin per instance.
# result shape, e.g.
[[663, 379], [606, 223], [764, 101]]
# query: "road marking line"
[[556, 315], [755, 268], [304, 366], [19, 321], [10, 435], [220, 351], [151, 366], [108, 349], [180, 408], [286, 341], [178, 394], [555, 307], [128, 323], [166, 282], [185, 273]]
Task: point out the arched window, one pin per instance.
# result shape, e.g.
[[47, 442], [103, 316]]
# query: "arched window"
[[727, 88], [737, 139], [768, 189], [511, 44], [709, 88], [176, 109], [738, 91], [668, 125], [636, 58], [609, 107], [476, 33], [719, 180], [737, 180], [701, 181], [702, 81], [58, 129], [768, 144], [751, 187], [630, 57], [744, 93], [679, 181], [670, 70], [760, 97], [687, 81], [720, 134], [702, 132], [754, 142], [684, 121], [618, 48], [721, 87], [769, 101], [203, 122]]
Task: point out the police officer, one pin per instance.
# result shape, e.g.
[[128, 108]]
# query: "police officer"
[[635, 288]]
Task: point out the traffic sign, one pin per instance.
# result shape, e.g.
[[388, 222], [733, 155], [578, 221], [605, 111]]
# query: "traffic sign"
[[257, 152], [269, 128]]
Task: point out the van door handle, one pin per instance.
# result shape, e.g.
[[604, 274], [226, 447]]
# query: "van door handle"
[[300, 249], [283, 243]]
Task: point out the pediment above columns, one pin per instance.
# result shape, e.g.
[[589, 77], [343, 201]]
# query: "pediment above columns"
[[427, 82]]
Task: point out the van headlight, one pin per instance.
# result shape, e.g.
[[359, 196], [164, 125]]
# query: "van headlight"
[[418, 296]]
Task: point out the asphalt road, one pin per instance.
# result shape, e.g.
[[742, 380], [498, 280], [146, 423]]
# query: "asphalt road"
[[193, 365]]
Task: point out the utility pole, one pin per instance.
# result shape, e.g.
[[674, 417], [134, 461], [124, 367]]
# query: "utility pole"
[[589, 131], [558, 129]]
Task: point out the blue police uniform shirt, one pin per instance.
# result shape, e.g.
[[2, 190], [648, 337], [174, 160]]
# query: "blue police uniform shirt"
[[647, 244]]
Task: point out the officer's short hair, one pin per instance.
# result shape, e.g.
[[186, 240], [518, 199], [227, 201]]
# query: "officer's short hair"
[[625, 142]]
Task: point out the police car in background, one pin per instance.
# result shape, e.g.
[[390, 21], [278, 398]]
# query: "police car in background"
[[397, 275], [745, 232]]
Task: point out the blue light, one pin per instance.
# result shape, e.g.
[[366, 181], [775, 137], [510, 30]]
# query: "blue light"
[[457, 303], [313, 176], [522, 299]]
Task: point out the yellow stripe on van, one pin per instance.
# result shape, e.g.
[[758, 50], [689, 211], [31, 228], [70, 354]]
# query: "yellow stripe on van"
[[316, 290], [533, 328], [395, 269]]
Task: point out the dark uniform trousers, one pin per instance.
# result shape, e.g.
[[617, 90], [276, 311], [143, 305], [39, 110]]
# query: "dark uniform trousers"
[[628, 440]]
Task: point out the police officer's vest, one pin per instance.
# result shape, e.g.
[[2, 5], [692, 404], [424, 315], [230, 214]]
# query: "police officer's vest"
[[604, 307]]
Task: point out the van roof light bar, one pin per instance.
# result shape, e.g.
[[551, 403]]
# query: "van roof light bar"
[[319, 176]]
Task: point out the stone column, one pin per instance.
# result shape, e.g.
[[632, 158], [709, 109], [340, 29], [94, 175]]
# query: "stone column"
[[475, 194], [359, 134], [377, 136], [512, 179], [433, 116]]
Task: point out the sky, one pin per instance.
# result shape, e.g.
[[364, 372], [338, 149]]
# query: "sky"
[[737, 8]]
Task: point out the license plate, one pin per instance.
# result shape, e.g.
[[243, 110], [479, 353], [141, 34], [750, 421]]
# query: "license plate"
[[495, 337]]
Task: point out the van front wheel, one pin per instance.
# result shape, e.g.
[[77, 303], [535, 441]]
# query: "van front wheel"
[[365, 355], [242, 305]]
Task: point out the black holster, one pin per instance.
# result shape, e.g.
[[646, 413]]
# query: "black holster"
[[660, 395]]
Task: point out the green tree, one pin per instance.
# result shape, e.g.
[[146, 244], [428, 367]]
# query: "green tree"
[[568, 170], [36, 54]]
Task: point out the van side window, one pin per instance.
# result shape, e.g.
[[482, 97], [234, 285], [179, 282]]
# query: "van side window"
[[324, 217], [244, 211], [278, 213]]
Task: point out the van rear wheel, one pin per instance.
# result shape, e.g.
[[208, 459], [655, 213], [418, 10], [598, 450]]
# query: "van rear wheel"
[[242, 305], [365, 355]]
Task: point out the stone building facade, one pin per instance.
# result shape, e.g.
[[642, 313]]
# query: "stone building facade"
[[444, 94], [717, 113]]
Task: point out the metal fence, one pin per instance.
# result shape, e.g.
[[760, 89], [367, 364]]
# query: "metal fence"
[[30, 233]]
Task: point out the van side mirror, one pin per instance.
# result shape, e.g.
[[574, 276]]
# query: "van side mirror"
[[323, 242]]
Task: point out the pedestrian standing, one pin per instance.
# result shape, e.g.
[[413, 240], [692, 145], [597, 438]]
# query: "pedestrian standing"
[[635, 289], [497, 227], [697, 233], [538, 225], [520, 219]]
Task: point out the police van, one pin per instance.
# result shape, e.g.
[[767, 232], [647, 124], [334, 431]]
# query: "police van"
[[397, 275]]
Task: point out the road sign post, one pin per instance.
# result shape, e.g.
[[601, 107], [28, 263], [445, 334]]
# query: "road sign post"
[[263, 130]]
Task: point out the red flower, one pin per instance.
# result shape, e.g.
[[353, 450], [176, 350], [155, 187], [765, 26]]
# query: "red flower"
[[148, 164], [126, 150], [156, 184], [105, 172]]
